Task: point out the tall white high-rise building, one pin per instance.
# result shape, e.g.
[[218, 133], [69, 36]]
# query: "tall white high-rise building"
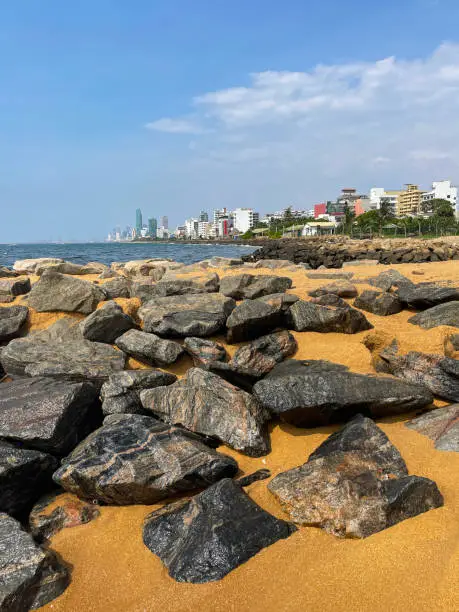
[[244, 219], [442, 190]]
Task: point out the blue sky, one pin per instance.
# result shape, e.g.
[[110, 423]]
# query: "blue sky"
[[106, 106]]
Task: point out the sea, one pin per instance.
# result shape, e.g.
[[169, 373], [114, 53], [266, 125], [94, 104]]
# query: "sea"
[[107, 252]]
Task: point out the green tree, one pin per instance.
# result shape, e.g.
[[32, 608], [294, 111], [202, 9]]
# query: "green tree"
[[288, 217], [438, 207]]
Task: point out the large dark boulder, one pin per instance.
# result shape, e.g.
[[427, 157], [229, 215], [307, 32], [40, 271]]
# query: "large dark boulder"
[[58, 292], [135, 459], [250, 287], [48, 415], [74, 359], [30, 576], [149, 348], [314, 393], [12, 319], [240, 376], [426, 295], [208, 283], [204, 538], [251, 319], [121, 393], [107, 323], [262, 354], [24, 475], [354, 485], [119, 287], [15, 286], [391, 278], [308, 316], [204, 351], [379, 302], [443, 314], [205, 403], [440, 425]]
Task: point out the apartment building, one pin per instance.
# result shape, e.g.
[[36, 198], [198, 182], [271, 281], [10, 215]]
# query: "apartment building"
[[244, 219], [409, 201], [441, 190]]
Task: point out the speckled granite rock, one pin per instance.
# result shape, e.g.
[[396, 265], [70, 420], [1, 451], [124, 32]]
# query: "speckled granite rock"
[[12, 320], [342, 288], [440, 425], [308, 316], [251, 319], [58, 292], [149, 348], [379, 302], [204, 351], [107, 323], [250, 287], [262, 354], [443, 314]]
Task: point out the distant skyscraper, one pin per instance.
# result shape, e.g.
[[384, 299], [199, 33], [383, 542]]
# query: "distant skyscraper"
[[138, 221], [203, 216], [165, 222], [152, 227]]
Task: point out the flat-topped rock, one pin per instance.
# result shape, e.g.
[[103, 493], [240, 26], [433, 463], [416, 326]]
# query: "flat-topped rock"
[[329, 275], [7, 272], [12, 320], [27, 266], [342, 288], [443, 314], [149, 348], [135, 459], [380, 303], [204, 538], [440, 425], [107, 323], [310, 316], [426, 295], [248, 286], [251, 319], [205, 403], [58, 292], [173, 284]]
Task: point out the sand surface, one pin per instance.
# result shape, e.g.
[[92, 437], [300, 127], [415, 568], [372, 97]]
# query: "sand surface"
[[411, 566]]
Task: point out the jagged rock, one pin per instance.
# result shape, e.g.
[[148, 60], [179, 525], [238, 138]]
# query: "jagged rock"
[[135, 459], [330, 299], [330, 275], [248, 286], [314, 393], [67, 329], [443, 314], [184, 286], [354, 485], [262, 354], [440, 425], [15, 286], [282, 300], [12, 319], [204, 538], [273, 264], [390, 278], [94, 267], [251, 319], [451, 344], [106, 324], [379, 303], [308, 316], [149, 348], [240, 376], [245, 481], [341, 288], [67, 511], [73, 359], [426, 295], [186, 315], [109, 273], [121, 393], [24, 475], [28, 266], [30, 576], [7, 272], [48, 415], [56, 291], [204, 351], [224, 262], [205, 403], [64, 267], [117, 288]]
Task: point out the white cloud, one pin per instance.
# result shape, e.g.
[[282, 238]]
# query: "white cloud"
[[175, 126]]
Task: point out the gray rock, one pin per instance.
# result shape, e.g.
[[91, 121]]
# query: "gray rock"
[[204, 351], [224, 262], [135, 459], [64, 267], [263, 354], [342, 288], [330, 299], [440, 425], [273, 264], [183, 286], [315, 393], [48, 415], [58, 292], [107, 323], [15, 286], [354, 485], [121, 393], [443, 314], [28, 266], [426, 295], [204, 538], [205, 403], [30, 576], [251, 319], [24, 475], [248, 286], [308, 316], [149, 348], [117, 288], [12, 319], [7, 272], [240, 376], [329, 275], [379, 303], [390, 278]]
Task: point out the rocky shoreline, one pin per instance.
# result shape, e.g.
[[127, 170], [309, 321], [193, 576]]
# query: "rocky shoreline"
[[157, 380]]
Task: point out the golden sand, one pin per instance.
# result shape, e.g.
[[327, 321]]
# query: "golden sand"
[[410, 567]]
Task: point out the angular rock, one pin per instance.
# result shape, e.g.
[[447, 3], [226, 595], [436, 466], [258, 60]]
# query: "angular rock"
[[341, 288], [251, 319], [172, 285], [117, 288], [65, 267], [73, 359], [262, 354], [189, 323], [94, 267], [248, 286], [106, 324], [28, 266], [58, 292], [224, 262], [15, 286], [283, 300], [246, 481], [149, 348], [273, 264], [204, 351], [12, 319], [67, 511], [24, 475], [379, 303], [315, 393], [204, 403], [204, 538], [48, 415], [354, 485], [426, 295], [308, 316], [390, 278], [330, 299], [30, 576], [330, 275], [121, 393], [7, 272], [135, 459], [443, 314], [440, 425], [240, 376]]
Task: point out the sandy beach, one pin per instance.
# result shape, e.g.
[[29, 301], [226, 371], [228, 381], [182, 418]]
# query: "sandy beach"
[[411, 566]]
